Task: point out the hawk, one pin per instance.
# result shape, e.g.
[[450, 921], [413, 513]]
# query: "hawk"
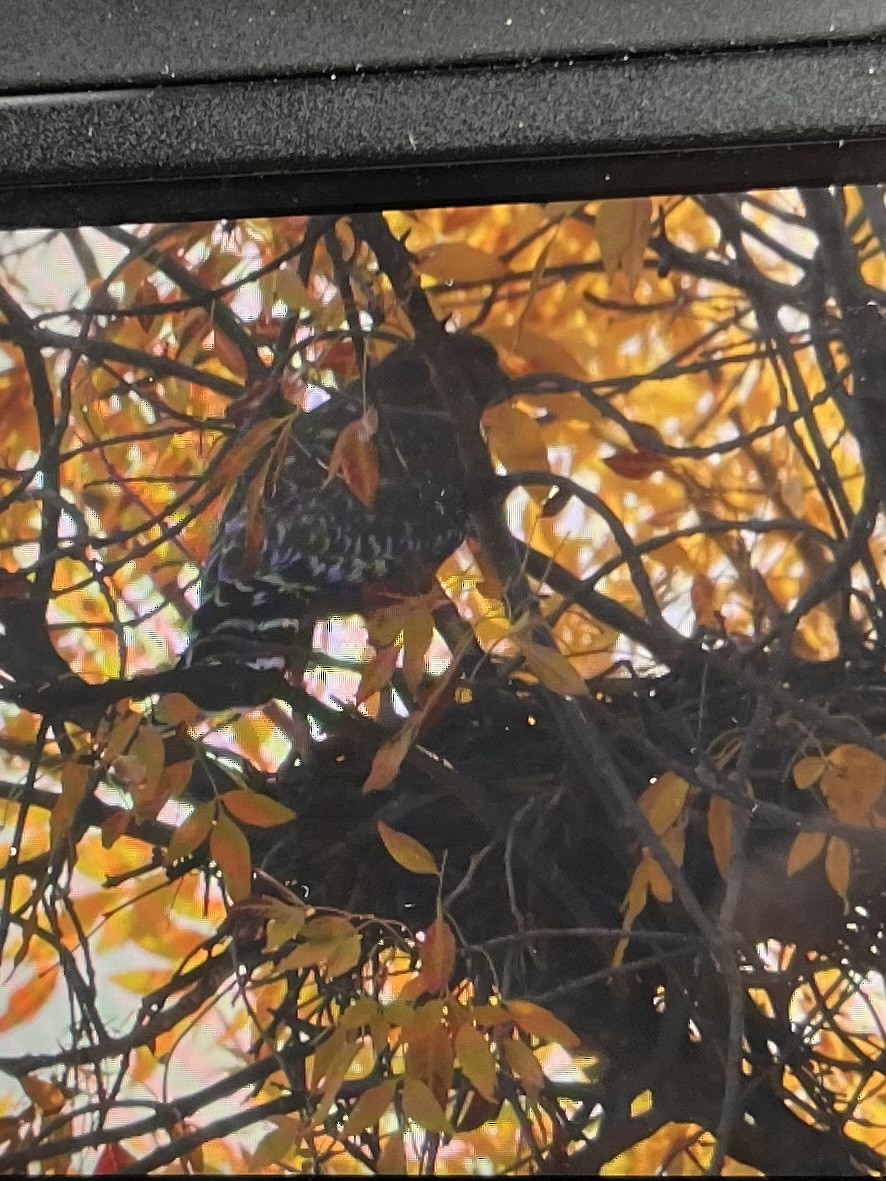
[[321, 551]]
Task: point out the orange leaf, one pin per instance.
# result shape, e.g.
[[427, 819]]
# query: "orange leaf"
[[45, 1095], [476, 1060], [229, 849], [805, 848], [355, 458], [191, 833], [838, 866], [438, 956], [636, 465], [251, 807], [457, 262], [75, 780], [389, 757], [662, 802], [807, 772], [27, 1000], [538, 1022], [238, 458], [406, 851]]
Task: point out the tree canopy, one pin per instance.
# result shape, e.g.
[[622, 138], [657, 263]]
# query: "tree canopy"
[[572, 864]]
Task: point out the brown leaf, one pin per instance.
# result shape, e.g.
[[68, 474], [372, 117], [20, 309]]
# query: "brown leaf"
[[370, 1107], [807, 772], [75, 780], [524, 1066], [355, 458], [389, 757], [418, 632], [406, 851], [191, 833], [378, 672], [437, 957], [45, 1095], [636, 465], [392, 1158]]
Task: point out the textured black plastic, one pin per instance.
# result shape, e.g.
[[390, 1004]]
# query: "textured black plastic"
[[580, 126], [86, 44]]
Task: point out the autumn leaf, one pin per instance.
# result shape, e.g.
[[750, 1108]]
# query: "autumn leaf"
[[852, 782], [237, 458], [524, 1066], [838, 866], [538, 1022], [392, 1158], [251, 807], [285, 922], [457, 262], [807, 772], [75, 780], [438, 957], [191, 833], [370, 1107], [805, 848], [702, 596], [420, 1106], [27, 1000], [45, 1095], [476, 1060], [663, 801], [377, 673], [418, 632], [113, 1158], [516, 442], [623, 226], [355, 458], [406, 851], [552, 668], [389, 757], [636, 465], [229, 849]]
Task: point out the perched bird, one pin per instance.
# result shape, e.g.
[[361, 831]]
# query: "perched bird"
[[317, 549]]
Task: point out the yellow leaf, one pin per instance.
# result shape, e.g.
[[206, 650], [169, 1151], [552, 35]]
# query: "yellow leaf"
[[622, 232], [191, 833], [476, 1060], [406, 851], [659, 883], [662, 802], [457, 262], [634, 904], [141, 982], [516, 442], [420, 1106], [552, 669], [370, 1107], [538, 1022], [838, 866], [805, 848], [437, 957], [328, 926], [720, 833], [174, 709], [418, 632], [807, 772], [377, 673], [524, 1066], [285, 922], [344, 956], [229, 849], [251, 807]]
